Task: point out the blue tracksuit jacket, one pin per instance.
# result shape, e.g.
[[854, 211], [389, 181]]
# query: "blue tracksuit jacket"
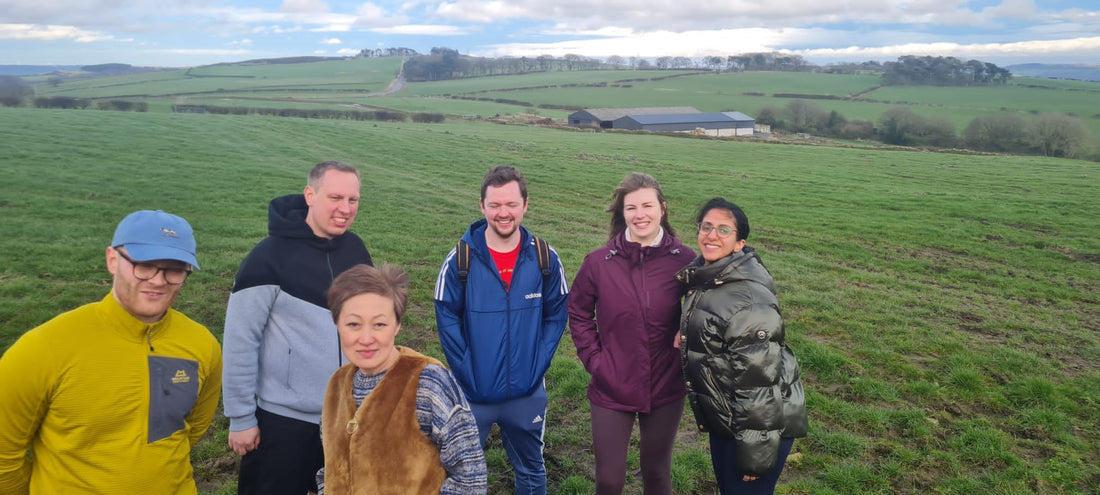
[[498, 342]]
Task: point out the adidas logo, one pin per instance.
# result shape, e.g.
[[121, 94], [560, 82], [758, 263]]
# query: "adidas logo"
[[538, 419], [181, 377]]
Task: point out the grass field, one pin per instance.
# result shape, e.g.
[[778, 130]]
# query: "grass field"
[[353, 76], [944, 307], [331, 84]]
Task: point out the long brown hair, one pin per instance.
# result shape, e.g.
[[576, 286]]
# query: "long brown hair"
[[633, 182]]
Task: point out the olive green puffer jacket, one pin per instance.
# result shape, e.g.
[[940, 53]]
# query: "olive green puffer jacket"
[[742, 379]]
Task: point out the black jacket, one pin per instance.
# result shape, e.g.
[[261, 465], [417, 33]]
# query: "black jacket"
[[743, 380]]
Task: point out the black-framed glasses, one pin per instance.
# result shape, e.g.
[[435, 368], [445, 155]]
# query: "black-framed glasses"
[[724, 231], [146, 271]]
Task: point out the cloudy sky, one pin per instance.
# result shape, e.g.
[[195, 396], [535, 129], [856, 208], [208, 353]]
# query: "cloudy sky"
[[177, 33]]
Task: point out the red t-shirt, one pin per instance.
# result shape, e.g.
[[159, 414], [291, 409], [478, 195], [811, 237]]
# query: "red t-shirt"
[[506, 263]]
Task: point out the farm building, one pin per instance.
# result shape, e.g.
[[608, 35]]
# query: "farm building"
[[712, 124], [603, 117]]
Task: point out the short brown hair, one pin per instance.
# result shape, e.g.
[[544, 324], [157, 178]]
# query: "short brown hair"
[[387, 281], [499, 176], [317, 173]]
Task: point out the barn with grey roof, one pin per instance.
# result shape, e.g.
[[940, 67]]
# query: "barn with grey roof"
[[602, 117], [665, 119], [712, 124]]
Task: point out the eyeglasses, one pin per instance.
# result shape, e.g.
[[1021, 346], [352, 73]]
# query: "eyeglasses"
[[146, 271], [724, 231]]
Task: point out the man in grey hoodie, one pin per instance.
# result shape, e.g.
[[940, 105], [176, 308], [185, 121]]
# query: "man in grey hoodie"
[[280, 345]]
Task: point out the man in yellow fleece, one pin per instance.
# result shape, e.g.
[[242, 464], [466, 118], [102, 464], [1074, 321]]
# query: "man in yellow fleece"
[[109, 398]]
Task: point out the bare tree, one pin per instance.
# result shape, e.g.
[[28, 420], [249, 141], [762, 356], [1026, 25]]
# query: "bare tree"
[[1055, 134], [804, 116], [681, 63], [545, 61], [1002, 132], [573, 61]]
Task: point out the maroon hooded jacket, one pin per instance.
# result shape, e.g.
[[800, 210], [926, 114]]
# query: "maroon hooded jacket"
[[624, 312]]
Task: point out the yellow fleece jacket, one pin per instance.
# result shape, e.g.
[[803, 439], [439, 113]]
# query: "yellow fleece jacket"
[[106, 404]]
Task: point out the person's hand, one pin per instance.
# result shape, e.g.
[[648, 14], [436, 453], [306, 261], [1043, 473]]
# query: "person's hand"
[[748, 478], [676, 342], [245, 441]]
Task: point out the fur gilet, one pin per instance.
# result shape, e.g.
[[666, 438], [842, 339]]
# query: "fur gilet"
[[379, 448]]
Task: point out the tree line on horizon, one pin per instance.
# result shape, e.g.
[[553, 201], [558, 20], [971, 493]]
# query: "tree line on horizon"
[[443, 63]]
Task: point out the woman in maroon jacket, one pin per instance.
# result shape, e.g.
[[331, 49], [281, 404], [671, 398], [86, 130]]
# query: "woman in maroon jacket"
[[624, 312]]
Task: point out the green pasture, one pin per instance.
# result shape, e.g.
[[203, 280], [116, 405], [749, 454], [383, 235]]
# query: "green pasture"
[[944, 307], [304, 74], [769, 83], [333, 84], [994, 98], [456, 107], [534, 79], [1055, 83], [353, 75], [714, 93]]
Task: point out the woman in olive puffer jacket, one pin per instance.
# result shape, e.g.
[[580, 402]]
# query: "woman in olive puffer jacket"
[[742, 379]]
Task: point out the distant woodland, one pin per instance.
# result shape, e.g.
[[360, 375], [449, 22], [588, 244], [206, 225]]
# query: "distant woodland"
[[447, 63]]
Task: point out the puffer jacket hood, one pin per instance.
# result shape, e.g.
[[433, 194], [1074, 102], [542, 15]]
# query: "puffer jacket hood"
[[743, 380], [733, 268]]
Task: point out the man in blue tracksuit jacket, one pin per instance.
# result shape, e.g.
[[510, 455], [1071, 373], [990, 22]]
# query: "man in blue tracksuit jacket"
[[500, 329]]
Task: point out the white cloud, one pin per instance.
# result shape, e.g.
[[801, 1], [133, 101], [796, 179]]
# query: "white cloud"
[[332, 28], [655, 44], [982, 51], [304, 6], [201, 51], [52, 33], [275, 29], [656, 15], [332, 41], [423, 29], [347, 51], [1012, 9], [734, 41], [484, 12], [370, 15]]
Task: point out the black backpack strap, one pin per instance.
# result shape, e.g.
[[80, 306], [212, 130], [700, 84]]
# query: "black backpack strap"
[[543, 251], [462, 252]]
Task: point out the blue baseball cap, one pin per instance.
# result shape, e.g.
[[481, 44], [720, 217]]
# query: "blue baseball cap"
[[155, 235]]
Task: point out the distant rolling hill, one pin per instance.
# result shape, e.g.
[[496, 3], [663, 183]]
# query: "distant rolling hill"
[[1082, 72], [33, 70]]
